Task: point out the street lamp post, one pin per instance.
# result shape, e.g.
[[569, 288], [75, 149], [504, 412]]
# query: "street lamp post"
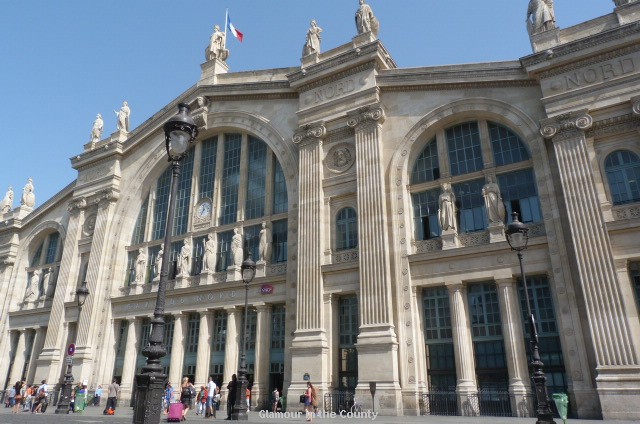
[[65, 395], [518, 237], [240, 408], [180, 132]]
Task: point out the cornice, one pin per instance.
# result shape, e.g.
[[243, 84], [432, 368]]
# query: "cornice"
[[564, 125], [338, 76], [589, 61], [309, 133], [256, 96], [615, 125], [595, 40], [456, 86]]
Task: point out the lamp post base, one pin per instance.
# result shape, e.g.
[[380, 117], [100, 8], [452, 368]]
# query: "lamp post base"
[[149, 394], [65, 394]]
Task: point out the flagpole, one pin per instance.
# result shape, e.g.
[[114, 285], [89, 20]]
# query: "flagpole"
[[226, 21]]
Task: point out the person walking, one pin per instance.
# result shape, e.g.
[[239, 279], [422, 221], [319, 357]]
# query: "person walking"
[[187, 395], [309, 397], [17, 397], [113, 391], [97, 395], [168, 396], [211, 393], [276, 399], [201, 401], [232, 387], [42, 393]]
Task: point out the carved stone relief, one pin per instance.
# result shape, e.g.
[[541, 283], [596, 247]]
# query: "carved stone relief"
[[340, 158]]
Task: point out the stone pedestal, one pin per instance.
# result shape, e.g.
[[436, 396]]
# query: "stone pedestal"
[[119, 136], [496, 232], [182, 281], [362, 39], [628, 12], [545, 40], [210, 71], [206, 277], [136, 288], [261, 269], [310, 59], [234, 273], [450, 240], [154, 284], [22, 211]]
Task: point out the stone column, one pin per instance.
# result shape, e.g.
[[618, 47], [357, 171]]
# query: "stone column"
[[377, 341], [177, 349], [463, 347], [309, 350], [19, 358], [515, 353], [131, 355], [616, 348], [50, 364], [38, 343], [204, 348], [260, 389], [105, 374], [231, 348]]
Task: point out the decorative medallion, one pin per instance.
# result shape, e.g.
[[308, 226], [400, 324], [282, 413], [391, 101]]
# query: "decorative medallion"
[[89, 225], [340, 158]]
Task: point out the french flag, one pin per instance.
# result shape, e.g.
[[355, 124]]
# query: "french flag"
[[233, 30]]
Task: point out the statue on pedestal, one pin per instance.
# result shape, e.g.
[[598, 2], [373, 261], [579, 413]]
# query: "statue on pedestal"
[[7, 203], [158, 261], [98, 128], [493, 202], [265, 243], [28, 198], [123, 117], [313, 40], [366, 20], [217, 45], [209, 263], [540, 16], [185, 258], [141, 265], [31, 294], [236, 248], [47, 284], [447, 210]]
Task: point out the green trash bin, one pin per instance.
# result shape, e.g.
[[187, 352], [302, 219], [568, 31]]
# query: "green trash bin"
[[80, 403], [562, 403], [283, 402]]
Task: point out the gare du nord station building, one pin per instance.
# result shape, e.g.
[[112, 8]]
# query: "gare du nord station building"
[[346, 159]]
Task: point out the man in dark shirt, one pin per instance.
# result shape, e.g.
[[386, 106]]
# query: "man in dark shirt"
[[112, 399], [232, 388]]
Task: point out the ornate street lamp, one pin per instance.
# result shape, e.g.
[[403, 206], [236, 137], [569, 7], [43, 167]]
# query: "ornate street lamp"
[[248, 269], [518, 237], [65, 395], [180, 132]]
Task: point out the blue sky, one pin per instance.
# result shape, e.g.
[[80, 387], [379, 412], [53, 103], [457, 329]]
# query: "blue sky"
[[62, 62]]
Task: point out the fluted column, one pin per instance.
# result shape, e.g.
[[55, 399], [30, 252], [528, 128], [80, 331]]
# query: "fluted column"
[[462, 344], [19, 357], [515, 353], [616, 347], [105, 374], [204, 348], [377, 340], [309, 350], [260, 389], [38, 343], [50, 364], [134, 331], [232, 344], [177, 348]]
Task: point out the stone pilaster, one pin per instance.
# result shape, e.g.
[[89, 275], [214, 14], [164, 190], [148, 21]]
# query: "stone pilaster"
[[38, 344], [309, 351], [131, 349], [260, 389], [463, 346], [515, 353], [49, 364], [204, 348], [19, 357], [105, 373], [615, 346], [232, 343], [377, 341], [177, 348]]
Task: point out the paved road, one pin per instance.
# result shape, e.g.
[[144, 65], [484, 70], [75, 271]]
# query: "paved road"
[[94, 415]]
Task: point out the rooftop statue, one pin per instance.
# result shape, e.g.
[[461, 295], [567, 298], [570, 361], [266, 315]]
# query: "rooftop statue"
[[313, 40], [7, 203], [217, 45], [123, 117], [366, 20], [28, 198], [540, 16], [98, 127]]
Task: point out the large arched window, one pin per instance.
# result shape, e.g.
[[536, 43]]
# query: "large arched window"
[[623, 173], [227, 180], [346, 229], [463, 164]]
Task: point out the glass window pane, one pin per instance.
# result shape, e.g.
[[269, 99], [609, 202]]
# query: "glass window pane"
[[622, 168], [346, 229], [141, 224], [634, 271], [230, 178], [425, 214], [279, 241], [256, 187], [507, 146], [465, 153], [470, 205], [208, 166], [52, 248], [162, 204], [225, 258], [426, 167], [519, 194], [183, 198], [280, 198]]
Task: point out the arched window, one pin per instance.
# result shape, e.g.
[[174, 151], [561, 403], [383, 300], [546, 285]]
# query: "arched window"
[[346, 229], [623, 173], [426, 166]]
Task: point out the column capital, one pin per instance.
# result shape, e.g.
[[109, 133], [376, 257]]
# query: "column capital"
[[205, 312], [505, 282], [635, 105], [77, 204], [262, 306], [232, 309], [564, 125], [455, 286], [309, 133], [373, 114]]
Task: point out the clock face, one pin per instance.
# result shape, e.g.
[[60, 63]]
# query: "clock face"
[[204, 210]]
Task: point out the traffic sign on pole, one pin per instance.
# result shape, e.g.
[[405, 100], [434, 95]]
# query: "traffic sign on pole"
[[71, 349]]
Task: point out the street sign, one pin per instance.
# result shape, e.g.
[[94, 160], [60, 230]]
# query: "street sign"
[[69, 360], [71, 349]]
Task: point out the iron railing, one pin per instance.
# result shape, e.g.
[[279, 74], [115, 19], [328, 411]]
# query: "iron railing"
[[338, 401], [488, 403]]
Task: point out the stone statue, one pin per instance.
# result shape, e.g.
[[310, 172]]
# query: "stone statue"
[[185, 258], [98, 127], [540, 16], [7, 203], [493, 201], [236, 248], [447, 210], [313, 40], [209, 263], [47, 284], [366, 20], [217, 45], [623, 2], [28, 198], [265, 243], [123, 117], [141, 265], [31, 294], [158, 260]]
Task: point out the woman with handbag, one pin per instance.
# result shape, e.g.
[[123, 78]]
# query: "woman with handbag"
[[187, 395], [17, 404]]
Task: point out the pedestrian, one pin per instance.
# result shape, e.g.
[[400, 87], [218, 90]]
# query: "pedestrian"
[[309, 397], [211, 393], [17, 397], [42, 393], [187, 395], [276, 399], [28, 398], [97, 395], [168, 395], [112, 396], [247, 394], [232, 387], [201, 401]]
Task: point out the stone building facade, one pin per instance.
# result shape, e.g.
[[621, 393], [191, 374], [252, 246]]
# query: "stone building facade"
[[344, 159]]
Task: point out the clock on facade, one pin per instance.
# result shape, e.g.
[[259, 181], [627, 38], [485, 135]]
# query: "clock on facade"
[[204, 210]]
